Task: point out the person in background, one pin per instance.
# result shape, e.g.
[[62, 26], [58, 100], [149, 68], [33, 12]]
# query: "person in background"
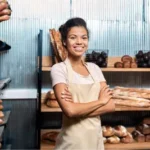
[[81, 91], [5, 10]]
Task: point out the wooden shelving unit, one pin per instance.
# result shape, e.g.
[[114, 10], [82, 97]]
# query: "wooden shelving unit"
[[46, 66], [121, 146]]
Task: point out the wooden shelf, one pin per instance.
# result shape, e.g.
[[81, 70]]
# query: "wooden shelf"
[[45, 108], [47, 63], [113, 69], [120, 146]]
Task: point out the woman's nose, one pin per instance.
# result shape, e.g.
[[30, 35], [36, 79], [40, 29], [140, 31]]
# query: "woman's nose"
[[79, 41]]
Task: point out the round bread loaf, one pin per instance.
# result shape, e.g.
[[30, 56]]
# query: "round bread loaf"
[[113, 140], [120, 131], [118, 65], [126, 58], [52, 95], [107, 131], [52, 103]]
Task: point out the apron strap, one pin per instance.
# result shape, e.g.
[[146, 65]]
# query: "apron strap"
[[70, 70]]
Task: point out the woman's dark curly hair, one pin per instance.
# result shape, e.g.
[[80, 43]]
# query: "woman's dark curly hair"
[[73, 22]]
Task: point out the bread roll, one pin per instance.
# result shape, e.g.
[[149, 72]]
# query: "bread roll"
[[1, 107], [138, 136], [147, 138], [128, 138], [126, 58], [104, 140], [146, 120], [126, 64], [50, 136], [118, 65], [143, 128], [52, 103], [107, 131], [52, 95], [113, 140], [1, 115], [134, 65], [120, 131]]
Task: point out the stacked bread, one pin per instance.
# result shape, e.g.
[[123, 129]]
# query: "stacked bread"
[[1, 113], [126, 62], [116, 134], [59, 50], [142, 131], [50, 100], [135, 97], [50, 137]]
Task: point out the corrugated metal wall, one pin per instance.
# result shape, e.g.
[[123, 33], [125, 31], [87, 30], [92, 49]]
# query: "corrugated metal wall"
[[122, 26]]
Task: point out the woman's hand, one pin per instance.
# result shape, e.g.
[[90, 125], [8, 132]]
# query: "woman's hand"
[[66, 95], [105, 95], [110, 106]]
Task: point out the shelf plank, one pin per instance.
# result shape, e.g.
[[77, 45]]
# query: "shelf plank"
[[120, 146], [45, 108], [47, 64], [113, 69]]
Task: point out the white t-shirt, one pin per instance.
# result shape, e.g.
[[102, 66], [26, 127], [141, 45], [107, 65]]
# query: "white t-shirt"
[[59, 74]]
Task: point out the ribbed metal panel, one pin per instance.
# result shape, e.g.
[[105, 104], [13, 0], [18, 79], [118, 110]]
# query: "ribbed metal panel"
[[28, 17]]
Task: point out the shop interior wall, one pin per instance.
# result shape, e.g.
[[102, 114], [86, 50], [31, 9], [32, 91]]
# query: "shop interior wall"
[[121, 26]]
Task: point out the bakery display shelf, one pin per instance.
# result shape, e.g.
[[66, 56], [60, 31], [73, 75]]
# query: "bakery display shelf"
[[6, 117], [45, 108], [113, 69], [47, 63]]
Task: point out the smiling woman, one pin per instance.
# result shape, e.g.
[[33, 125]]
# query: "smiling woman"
[[81, 91]]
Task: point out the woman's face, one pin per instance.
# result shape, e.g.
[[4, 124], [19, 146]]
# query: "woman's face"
[[77, 41]]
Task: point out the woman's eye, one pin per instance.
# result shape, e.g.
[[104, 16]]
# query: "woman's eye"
[[72, 37], [84, 38]]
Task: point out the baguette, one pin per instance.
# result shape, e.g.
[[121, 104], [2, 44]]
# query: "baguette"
[[131, 103], [133, 89]]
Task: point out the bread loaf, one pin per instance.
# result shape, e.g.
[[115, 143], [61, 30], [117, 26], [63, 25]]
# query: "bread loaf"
[[104, 139], [50, 136], [113, 139], [143, 128], [147, 138], [128, 138], [126, 64], [146, 120], [138, 136], [1, 115], [133, 65], [118, 65], [107, 131], [126, 58], [52, 103], [120, 131]]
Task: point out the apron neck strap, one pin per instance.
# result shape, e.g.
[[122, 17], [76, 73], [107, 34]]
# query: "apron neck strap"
[[70, 70]]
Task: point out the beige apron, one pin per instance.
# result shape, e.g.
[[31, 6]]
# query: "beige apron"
[[81, 133]]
